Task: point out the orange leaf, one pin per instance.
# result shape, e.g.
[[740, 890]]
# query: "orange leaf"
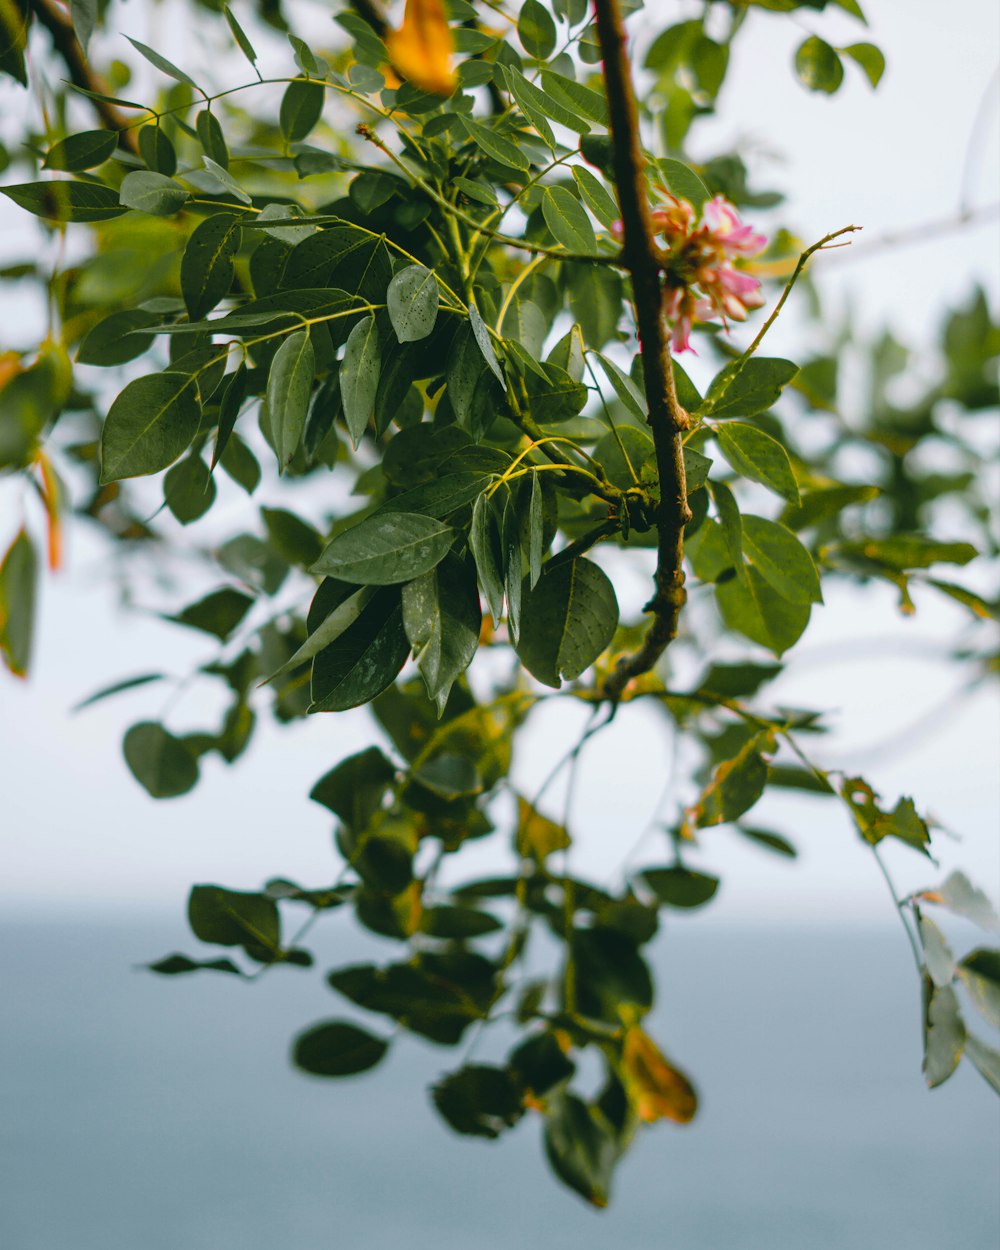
[[421, 49], [49, 491], [656, 1089]]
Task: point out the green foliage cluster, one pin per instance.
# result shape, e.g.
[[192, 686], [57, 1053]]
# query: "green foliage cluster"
[[429, 326]]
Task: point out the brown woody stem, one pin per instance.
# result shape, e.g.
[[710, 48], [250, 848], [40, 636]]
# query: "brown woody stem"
[[667, 419], [57, 22]]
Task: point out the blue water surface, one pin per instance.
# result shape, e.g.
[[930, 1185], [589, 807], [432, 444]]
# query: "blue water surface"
[[146, 1113]]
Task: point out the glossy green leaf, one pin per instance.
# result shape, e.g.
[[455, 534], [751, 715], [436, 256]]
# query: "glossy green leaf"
[[212, 138], [567, 620], [152, 193], [207, 266], [149, 425], [759, 457], [229, 410], [85, 150], [364, 660], [781, 560], [596, 196], [566, 217], [412, 300], [117, 338], [442, 619], [482, 337], [386, 548], [161, 763], [487, 551], [359, 377], [289, 386], [684, 183]]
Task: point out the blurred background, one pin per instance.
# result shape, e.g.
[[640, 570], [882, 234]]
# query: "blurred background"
[[141, 1112]]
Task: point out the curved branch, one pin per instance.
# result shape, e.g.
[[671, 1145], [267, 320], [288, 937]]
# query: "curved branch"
[[64, 40], [666, 418]]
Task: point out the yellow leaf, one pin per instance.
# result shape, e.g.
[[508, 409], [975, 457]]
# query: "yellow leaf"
[[421, 49], [656, 1089], [538, 836]]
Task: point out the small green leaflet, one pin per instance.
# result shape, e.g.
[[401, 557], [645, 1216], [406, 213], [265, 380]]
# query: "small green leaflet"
[[759, 457], [161, 763], [781, 560], [818, 66], [386, 548], [85, 150], [162, 64], [869, 57], [567, 620], [226, 180], [359, 376], [207, 265], [580, 99], [65, 200], [412, 300], [498, 148], [149, 425], [482, 336], [944, 1032], [566, 217], [189, 489], [235, 918], [18, 588], [536, 30], [152, 193], [536, 531], [229, 410], [326, 633], [289, 385], [538, 105], [732, 524], [684, 182], [744, 389], [157, 150], [484, 539], [337, 1048], [84, 17], [301, 107], [213, 140], [217, 614], [758, 611], [598, 198], [680, 887], [244, 44]]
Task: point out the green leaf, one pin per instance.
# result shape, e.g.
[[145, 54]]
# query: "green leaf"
[[735, 787], [743, 390], [207, 266], [289, 385], [986, 1060], [440, 498], [482, 337], [301, 108], [567, 620], [116, 339], [944, 1032], [129, 683], [359, 377], [226, 180], [684, 183], [538, 105], [442, 619], [149, 425], [157, 150], [536, 30], [759, 457], [386, 548], [212, 139], [680, 887], [162, 64], [65, 200], [773, 841], [229, 410], [980, 974], [18, 586], [869, 57], [500, 149], [758, 611], [412, 301], [217, 614], [85, 150], [580, 1148], [818, 66], [152, 193], [597, 197], [908, 551], [294, 539], [938, 959], [364, 660], [355, 788], [244, 44], [177, 965], [84, 16], [732, 525], [575, 96], [536, 531], [781, 560], [235, 918], [566, 217], [189, 489], [478, 1100], [484, 541], [161, 763]]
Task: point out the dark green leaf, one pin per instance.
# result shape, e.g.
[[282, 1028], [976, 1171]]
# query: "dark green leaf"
[[759, 457], [207, 265], [64, 200], [386, 548], [116, 339], [680, 887], [566, 217], [289, 385], [244, 44], [152, 193], [442, 620], [580, 1148], [218, 613], [301, 108], [234, 918], [81, 151], [495, 145], [117, 687], [213, 140], [162, 64], [567, 620], [176, 965], [412, 300], [161, 763], [355, 788], [482, 337], [18, 586], [478, 1100], [359, 377], [149, 425], [364, 660], [598, 199], [189, 489], [485, 542], [157, 150], [781, 560], [229, 410]]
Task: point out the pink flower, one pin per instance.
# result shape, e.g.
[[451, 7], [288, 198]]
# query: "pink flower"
[[720, 222]]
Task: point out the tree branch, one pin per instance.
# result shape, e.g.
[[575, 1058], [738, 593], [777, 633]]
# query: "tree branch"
[[667, 419], [64, 40]]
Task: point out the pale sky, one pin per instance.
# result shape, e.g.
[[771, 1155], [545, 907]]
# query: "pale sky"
[[75, 830]]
